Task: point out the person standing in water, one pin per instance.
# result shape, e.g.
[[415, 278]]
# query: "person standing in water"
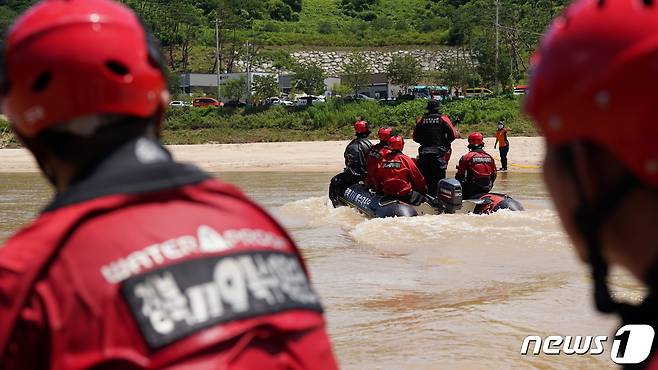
[[602, 171], [356, 163], [139, 262], [503, 144]]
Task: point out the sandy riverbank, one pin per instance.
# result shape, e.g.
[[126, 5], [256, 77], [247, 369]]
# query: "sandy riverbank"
[[526, 154]]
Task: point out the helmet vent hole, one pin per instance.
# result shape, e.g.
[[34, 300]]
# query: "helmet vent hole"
[[117, 68], [647, 2], [600, 3], [42, 82]]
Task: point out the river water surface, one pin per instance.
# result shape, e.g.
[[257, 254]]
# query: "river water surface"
[[433, 292]]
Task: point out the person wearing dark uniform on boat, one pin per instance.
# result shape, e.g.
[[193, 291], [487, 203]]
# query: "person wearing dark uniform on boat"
[[477, 169], [434, 134], [398, 175], [375, 155], [356, 165]]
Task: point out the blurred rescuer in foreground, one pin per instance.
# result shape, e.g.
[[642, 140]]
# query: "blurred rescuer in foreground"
[[139, 262], [356, 163], [591, 94], [398, 175], [477, 169], [435, 133], [375, 155]]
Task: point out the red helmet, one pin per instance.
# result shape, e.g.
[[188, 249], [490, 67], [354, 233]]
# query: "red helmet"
[[475, 140], [67, 59], [361, 127], [396, 142], [384, 133], [593, 80]]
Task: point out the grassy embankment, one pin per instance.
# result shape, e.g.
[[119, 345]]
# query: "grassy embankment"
[[330, 121]]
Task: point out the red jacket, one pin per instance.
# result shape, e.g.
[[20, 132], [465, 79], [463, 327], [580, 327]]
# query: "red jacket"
[[374, 157], [155, 266], [398, 175], [477, 167]]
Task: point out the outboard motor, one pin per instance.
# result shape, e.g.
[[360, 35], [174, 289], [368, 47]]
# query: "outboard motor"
[[450, 195]]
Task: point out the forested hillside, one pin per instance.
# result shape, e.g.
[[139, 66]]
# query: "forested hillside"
[[186, 28]]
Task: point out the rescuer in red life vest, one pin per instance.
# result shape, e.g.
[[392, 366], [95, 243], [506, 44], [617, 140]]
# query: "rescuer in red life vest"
[[398, 175], [477, 169], [375, 155], [139, 262], [592, 96]]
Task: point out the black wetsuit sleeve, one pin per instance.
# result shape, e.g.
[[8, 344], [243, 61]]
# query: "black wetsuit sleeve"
[[356, 161]]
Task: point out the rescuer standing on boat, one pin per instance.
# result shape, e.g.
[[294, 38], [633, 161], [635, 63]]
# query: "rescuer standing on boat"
[[591, 95], [356, 163], [434, 134], [139, 262]]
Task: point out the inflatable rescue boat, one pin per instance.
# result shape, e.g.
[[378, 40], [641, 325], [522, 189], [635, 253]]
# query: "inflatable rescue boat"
[[449, 201]]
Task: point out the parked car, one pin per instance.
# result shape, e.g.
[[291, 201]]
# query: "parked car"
[[520, 90], [307, 100], [205, 102], [477, 92], [278, 101], [179, 104], [353, 97], [235, 104]]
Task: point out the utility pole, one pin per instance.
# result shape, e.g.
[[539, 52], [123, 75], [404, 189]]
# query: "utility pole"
[[249, 72], [497, 44], [218, 61]]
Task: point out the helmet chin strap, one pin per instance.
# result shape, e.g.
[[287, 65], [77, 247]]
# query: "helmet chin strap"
[[590, 219]]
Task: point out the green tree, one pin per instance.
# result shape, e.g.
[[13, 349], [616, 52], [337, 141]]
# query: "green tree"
[[357, 73], [280, 11], [404, 71], [6, 17], [235, 89], [265, 87], [309, 78], [459, 73], [296, 5], [341, 89]]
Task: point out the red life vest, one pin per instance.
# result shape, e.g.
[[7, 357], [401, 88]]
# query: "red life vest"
[[399, 176], [151, 279], [375, 156], [477, 167]]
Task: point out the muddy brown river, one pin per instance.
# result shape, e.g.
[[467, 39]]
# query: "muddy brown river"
[[433, 292]]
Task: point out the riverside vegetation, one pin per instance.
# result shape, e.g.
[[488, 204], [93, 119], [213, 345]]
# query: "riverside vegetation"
[[329, 121]]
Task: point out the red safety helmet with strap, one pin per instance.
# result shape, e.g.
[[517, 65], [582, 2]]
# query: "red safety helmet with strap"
[[593, 80], [70, 59], [361, 127], [475, 140], [384, 133], [396, 143]]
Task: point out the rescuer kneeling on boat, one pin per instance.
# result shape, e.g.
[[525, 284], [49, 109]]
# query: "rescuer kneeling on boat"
[[477, 169], [375, 156], [398, 175], [139, 262], [356, 164]]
